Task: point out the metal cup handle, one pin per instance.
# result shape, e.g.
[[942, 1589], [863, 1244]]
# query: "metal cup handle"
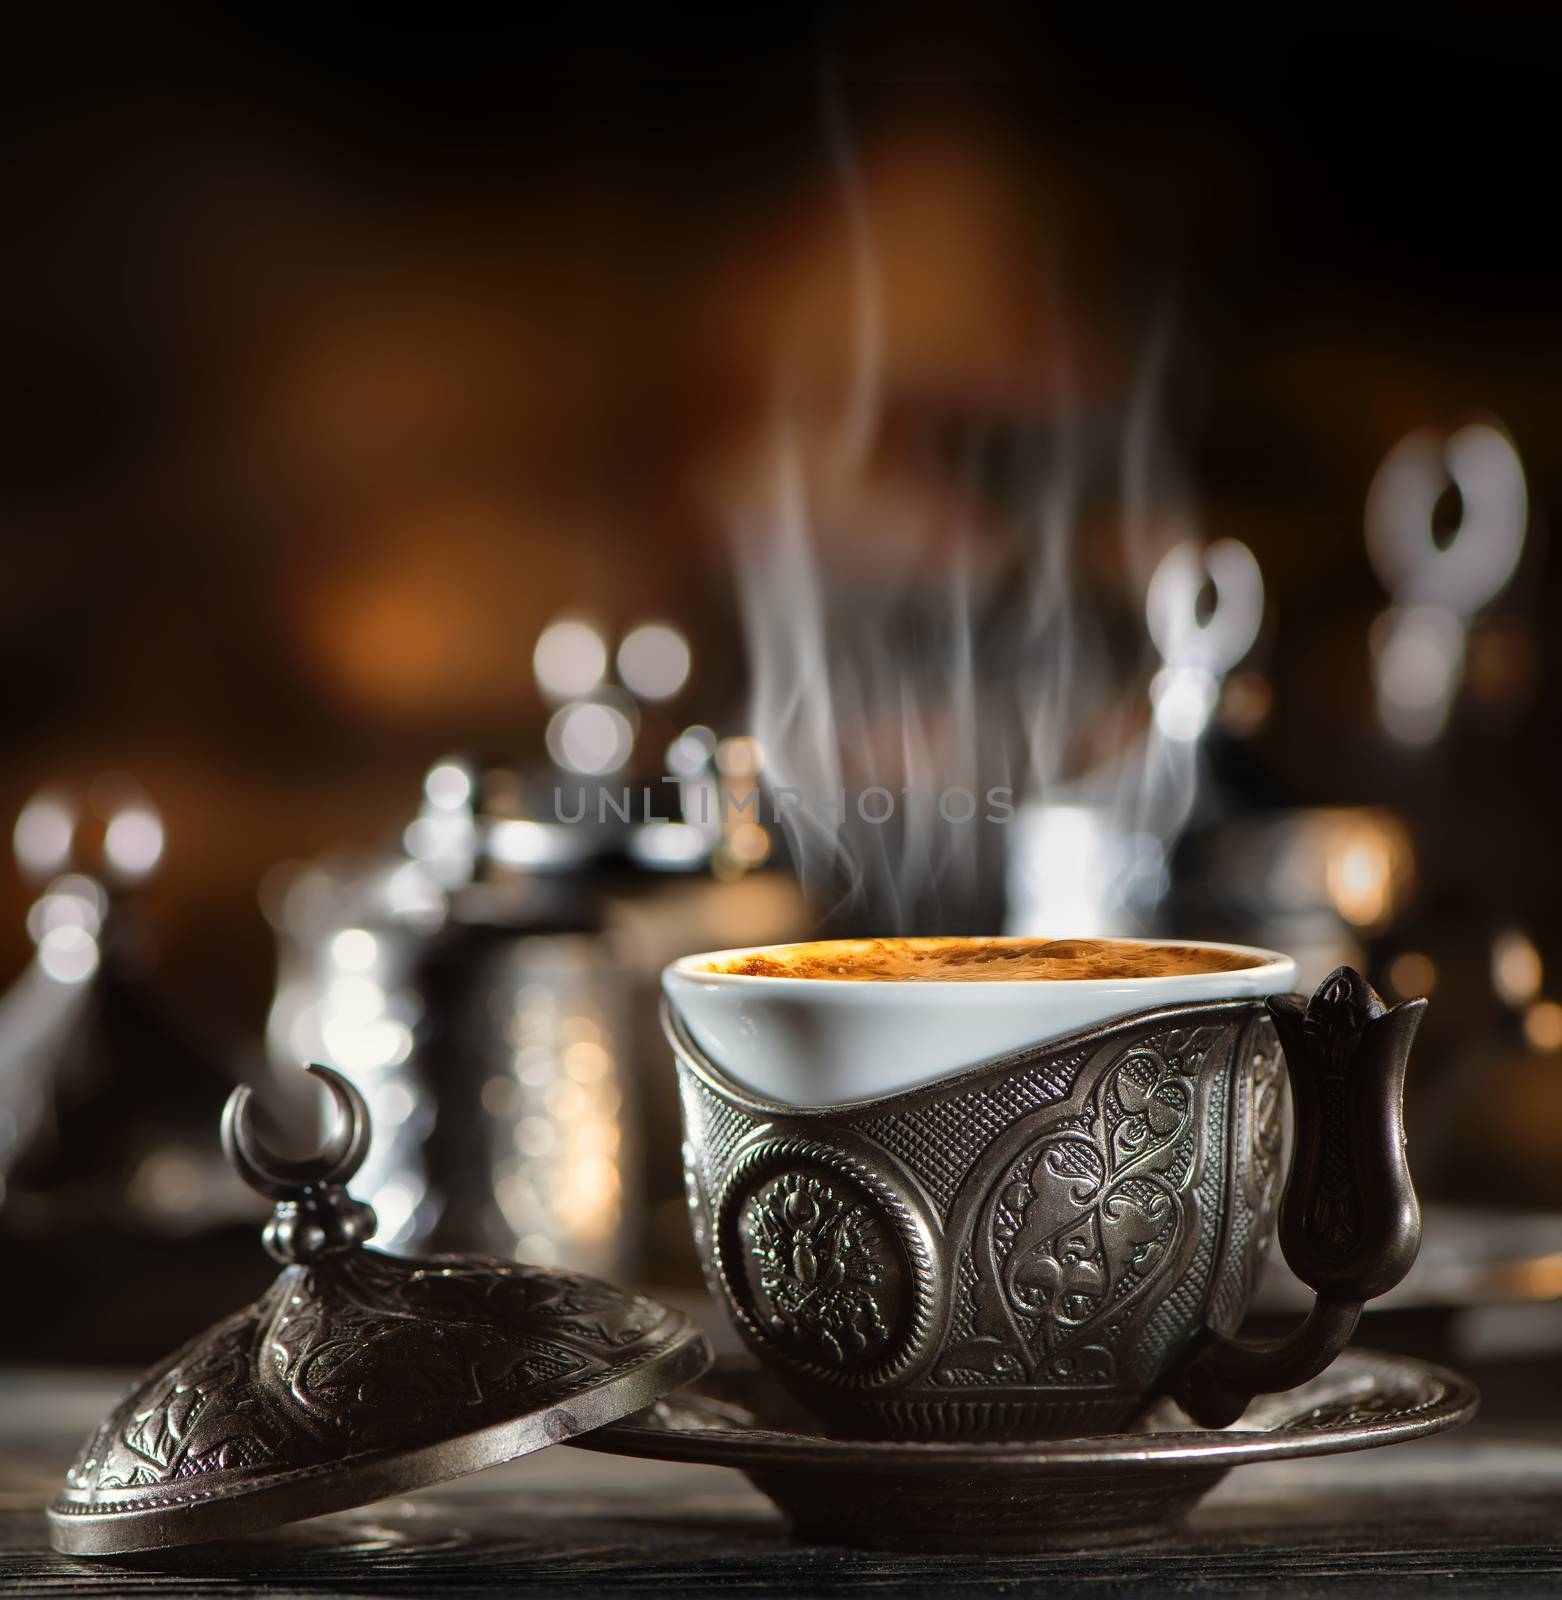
[[1350, 1224]]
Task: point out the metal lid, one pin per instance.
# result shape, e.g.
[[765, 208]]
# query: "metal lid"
[[357, 1374]]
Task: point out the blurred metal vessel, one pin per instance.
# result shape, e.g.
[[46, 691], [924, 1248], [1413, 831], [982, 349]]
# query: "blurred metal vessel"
[[489, 987], [463, 985], [1324, 883], [111, 1177]]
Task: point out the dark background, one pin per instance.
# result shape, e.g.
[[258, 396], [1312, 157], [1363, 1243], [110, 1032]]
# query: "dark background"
[[337, 362]]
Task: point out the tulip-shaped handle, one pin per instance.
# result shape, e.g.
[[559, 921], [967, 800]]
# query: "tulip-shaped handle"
[[1350, 1226]]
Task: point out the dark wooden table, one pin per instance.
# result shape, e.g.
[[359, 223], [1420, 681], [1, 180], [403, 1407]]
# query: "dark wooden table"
[[1477, 1512]]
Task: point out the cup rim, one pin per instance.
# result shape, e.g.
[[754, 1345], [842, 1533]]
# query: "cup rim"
[[1271, 964], [694, 1056]]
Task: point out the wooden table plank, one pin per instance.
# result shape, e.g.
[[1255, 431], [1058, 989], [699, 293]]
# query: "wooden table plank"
[[1480, 1510]]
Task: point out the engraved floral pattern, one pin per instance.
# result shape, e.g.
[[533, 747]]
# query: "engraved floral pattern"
[[1081, 1222], [1091, 1208], [1266, 1122], [358, 1353]]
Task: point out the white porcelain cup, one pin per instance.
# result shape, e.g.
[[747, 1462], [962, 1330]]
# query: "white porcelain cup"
[[1022, 1207], [815, 1042]]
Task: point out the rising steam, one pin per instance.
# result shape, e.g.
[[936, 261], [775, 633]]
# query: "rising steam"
[[996, 705]]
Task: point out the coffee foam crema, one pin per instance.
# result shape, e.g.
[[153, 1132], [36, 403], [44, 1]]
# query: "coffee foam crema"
[[982, 960]]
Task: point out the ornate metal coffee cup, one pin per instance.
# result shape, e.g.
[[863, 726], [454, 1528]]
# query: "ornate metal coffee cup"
[[1038, 1244]]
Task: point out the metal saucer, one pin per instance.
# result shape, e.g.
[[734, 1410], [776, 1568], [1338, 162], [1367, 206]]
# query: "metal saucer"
[[1047, 1495]]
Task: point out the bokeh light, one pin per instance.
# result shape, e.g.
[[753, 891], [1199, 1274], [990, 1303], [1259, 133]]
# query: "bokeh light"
[[133, 841], [570, 659], [654, 661], [42, 837], [590, 738]]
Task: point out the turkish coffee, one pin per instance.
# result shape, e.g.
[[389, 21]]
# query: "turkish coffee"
[[992, 960]]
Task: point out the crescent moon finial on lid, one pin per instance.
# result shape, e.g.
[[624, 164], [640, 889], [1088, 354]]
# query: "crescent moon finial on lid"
[[287, 1178]]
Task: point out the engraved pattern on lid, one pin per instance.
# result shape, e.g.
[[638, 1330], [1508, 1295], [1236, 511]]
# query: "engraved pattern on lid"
[[358, 1374]]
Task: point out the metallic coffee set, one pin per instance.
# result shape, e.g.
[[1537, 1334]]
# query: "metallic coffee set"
[[989, 1245]]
